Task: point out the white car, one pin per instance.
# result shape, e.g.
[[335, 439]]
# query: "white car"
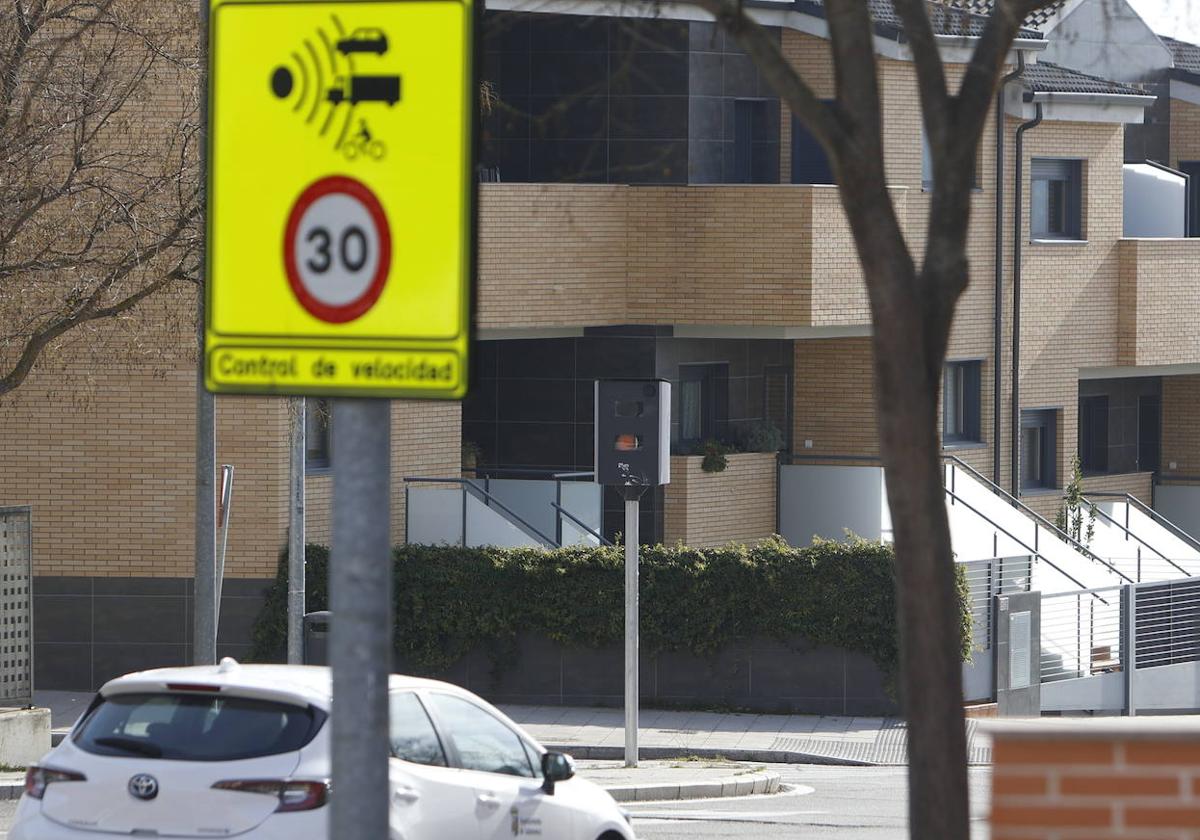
[[243, 750]]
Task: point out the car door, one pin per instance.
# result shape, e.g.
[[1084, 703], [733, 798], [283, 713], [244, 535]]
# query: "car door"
[[509, 798], [430, 800]]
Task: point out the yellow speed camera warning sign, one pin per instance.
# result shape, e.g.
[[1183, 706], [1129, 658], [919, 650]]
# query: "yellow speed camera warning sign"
[[341, 201]]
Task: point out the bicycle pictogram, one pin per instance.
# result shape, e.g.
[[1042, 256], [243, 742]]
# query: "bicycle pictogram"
[[363, 144]]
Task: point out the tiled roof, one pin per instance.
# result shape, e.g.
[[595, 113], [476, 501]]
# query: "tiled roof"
[[984, 7], [1187, 56], [1045, 77], [951, 17]]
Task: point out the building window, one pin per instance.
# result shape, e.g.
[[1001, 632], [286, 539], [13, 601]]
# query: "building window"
[[703, 402], [1093, 433], [1191, 168], [1149, 433], [1056, 199], [1038, 449], [318, 417], [809, 163], [751, 147], [960, 403]]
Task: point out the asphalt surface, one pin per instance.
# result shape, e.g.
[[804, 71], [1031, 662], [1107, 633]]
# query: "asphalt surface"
[[7, 809], [845, 803]]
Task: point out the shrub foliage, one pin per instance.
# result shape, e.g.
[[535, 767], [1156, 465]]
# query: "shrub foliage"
[[450, 600]]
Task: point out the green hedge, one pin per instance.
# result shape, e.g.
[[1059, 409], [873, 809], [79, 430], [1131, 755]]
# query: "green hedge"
[[451, 600]]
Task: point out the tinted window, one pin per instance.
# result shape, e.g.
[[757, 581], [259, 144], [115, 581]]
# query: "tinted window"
[[190, 727], [411, 733], [482, 740]]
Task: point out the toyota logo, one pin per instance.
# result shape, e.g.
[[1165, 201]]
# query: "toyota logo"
[[143, 786]]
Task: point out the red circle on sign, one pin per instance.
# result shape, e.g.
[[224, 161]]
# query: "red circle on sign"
[[359, 192]]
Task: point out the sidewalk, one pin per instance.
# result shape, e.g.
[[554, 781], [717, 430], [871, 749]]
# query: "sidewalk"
[[592, 733]]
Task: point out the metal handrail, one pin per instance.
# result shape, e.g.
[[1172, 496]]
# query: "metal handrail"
[[873, 459], [580, 523], [1033, 551], [1129, 533], [1155, 515], [545, 473], [512, 516], [1028, 511]]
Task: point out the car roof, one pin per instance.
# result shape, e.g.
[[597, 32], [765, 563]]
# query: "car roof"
[[287, 683]]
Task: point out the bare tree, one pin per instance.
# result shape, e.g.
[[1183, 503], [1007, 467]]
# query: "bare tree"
[[912, 307], [99, 187]]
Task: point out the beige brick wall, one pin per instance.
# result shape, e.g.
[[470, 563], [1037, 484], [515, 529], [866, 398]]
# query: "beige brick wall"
[[1095, 780], [1159, 301], [710, 509], [760, 255], [1185, 131], [1180, 431], [1069, 291], [106, 458], [835, 398], [1138, 484]]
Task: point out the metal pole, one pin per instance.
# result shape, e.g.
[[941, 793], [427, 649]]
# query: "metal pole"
[[631, 632], [361, 600], [1130, 648], [223, 524], [204, 624], [297, 442]]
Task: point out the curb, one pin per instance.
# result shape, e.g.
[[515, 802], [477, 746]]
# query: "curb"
[[10, 791], [755, 756], [746, 784]]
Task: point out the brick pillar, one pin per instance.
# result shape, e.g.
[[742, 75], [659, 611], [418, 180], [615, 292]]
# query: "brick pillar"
[[1096, 779]]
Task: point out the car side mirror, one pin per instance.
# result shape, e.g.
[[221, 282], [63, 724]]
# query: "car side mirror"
[[556, 767]]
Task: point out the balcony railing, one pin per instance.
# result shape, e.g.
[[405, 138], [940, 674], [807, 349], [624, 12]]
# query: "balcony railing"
[[603, 254]]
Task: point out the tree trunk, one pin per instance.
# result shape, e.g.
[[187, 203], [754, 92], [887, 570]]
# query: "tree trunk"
[[909, 353]]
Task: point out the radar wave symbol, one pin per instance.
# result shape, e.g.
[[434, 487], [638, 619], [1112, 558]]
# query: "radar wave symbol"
[[305, 79]]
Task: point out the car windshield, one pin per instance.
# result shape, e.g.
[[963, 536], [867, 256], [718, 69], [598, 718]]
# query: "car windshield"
[[190, 727]]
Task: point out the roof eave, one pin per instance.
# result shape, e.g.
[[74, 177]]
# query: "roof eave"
[[1033, 44], [1078, 98]]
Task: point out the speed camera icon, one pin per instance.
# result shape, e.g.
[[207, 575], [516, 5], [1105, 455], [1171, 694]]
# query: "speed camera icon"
[[330, 75]]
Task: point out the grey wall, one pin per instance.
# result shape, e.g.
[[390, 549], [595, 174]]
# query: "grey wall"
[[593, 99], [825, 501], [619, 100], [87, 630], [1122, 415], [1107, 39], [747, 360], [757, 675], [720, 73]]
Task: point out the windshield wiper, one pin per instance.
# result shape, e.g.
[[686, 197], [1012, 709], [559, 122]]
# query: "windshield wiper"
[[133, 745]]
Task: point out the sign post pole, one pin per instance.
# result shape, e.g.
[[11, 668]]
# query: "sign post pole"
[[360, 589], [295, 626], [632, 695]]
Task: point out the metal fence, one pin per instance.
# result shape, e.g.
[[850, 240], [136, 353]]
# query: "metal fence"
[[986, 579], [1081, 633], [1167, 622], [16, 606]]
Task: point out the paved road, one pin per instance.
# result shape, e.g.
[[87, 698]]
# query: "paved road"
[[836, 803], [7, 809], [840, 803]]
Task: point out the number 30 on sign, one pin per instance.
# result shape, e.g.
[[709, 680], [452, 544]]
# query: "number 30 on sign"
[[337, 249]]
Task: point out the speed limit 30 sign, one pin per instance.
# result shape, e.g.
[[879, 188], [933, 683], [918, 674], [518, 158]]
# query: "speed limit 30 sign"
[[341, 203], [337, 249]]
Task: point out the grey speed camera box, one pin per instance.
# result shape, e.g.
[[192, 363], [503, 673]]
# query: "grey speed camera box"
[[633, 432]]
